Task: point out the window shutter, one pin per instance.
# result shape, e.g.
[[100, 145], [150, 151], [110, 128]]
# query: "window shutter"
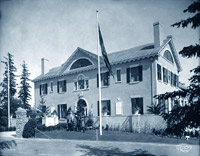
[[59, 111], [98, 108], [97, 80], [108, 77], [58, 86], [65, 85], [128, 75], [109, 107], [40, 90], [46, 88], [140, 73], [141, 105]]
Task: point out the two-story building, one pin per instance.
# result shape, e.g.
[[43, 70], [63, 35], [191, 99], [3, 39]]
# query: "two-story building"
[[140, 73]]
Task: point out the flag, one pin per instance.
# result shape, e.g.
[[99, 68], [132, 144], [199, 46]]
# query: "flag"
[[104, 53]]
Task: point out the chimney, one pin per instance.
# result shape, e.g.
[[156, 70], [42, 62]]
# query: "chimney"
[[156, 31], [42, 66]]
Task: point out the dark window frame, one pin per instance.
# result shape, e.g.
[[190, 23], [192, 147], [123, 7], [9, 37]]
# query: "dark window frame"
[[105, 107], [159, 72], [44, 89], [137, 105], [134, 74], [62, 84]]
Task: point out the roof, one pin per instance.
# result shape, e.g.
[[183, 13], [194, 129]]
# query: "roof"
[[132, 54]]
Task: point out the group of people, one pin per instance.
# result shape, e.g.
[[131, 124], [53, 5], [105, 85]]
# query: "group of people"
[[76, 122]]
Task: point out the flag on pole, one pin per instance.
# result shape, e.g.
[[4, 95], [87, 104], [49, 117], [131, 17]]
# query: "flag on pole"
[[104, 53]]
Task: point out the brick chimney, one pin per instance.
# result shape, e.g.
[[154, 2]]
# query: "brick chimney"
[[42, 66], [156, 31]]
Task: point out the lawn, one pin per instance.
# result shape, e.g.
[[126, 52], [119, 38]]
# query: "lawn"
[[114, 136]]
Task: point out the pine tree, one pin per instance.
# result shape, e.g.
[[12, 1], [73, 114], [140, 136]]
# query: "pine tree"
[[24, 92], [181, 117], [4, 85]]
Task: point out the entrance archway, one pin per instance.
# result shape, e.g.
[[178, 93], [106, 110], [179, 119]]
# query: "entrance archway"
[[82, 107]]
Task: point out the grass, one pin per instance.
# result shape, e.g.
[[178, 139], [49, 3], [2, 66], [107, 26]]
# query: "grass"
[[115, 136]]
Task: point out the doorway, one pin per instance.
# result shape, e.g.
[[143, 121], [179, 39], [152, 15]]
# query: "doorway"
[[82, 107]]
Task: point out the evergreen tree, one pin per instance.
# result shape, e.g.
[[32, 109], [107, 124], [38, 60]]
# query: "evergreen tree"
[[181, 117], [24, 92], [4, 85]]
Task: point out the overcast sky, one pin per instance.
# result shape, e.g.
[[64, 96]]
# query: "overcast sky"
[[53, 29]]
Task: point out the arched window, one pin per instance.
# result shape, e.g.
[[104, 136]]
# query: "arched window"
[[168, 56], [82, 62], [81, 83]]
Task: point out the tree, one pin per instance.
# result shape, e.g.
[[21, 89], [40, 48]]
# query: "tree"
[[181, 117], [4, 85], [24, 92]]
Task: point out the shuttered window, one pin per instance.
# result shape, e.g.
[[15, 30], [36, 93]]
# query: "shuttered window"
[[159, 72], [165, 75], [62, 86], [134, 74], [105, 107], [43, 89], [137, 105], [105, 79]]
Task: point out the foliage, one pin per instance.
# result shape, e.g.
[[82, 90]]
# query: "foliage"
[[24, 92], [3, 129], [29, 128], [4, 121], [195, 20], [4, 84], [156, 108], [181, 117], [7, 145]]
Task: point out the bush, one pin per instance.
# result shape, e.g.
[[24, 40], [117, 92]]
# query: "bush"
[[4, 129], [29, 128], [4, 121], [89, 122]]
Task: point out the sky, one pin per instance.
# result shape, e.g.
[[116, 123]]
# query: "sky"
[[53, 29]]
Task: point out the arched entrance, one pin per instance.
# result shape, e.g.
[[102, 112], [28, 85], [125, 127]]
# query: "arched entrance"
[[82, 107]]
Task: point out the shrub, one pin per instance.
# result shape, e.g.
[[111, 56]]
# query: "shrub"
[[89, 122], [29, 128], [4, 121]]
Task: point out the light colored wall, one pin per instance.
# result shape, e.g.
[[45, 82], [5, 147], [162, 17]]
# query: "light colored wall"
[[121, 90], [161, 86]]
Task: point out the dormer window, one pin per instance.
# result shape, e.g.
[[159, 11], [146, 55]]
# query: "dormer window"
[[168, 56], [82, 62]]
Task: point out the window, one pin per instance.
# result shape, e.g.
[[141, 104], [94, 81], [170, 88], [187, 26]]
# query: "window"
[[51, 86], [62, 110], [105, 79], [174, 80], [137, 105], [61, 86], [134, 74], [43, 89], [81, 83], [118, 78], [168, 56], [81, 63], [159, 72], [105, 107], [165, 75]]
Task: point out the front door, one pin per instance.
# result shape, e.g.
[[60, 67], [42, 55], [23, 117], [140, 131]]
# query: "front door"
[[82, 107]]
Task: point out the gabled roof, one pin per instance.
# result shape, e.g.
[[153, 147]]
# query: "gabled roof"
[[132, 54]]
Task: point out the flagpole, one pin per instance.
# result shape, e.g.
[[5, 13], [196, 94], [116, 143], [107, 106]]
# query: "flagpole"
[[99, 77]]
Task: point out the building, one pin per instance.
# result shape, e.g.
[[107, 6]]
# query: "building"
[[140, 73]]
